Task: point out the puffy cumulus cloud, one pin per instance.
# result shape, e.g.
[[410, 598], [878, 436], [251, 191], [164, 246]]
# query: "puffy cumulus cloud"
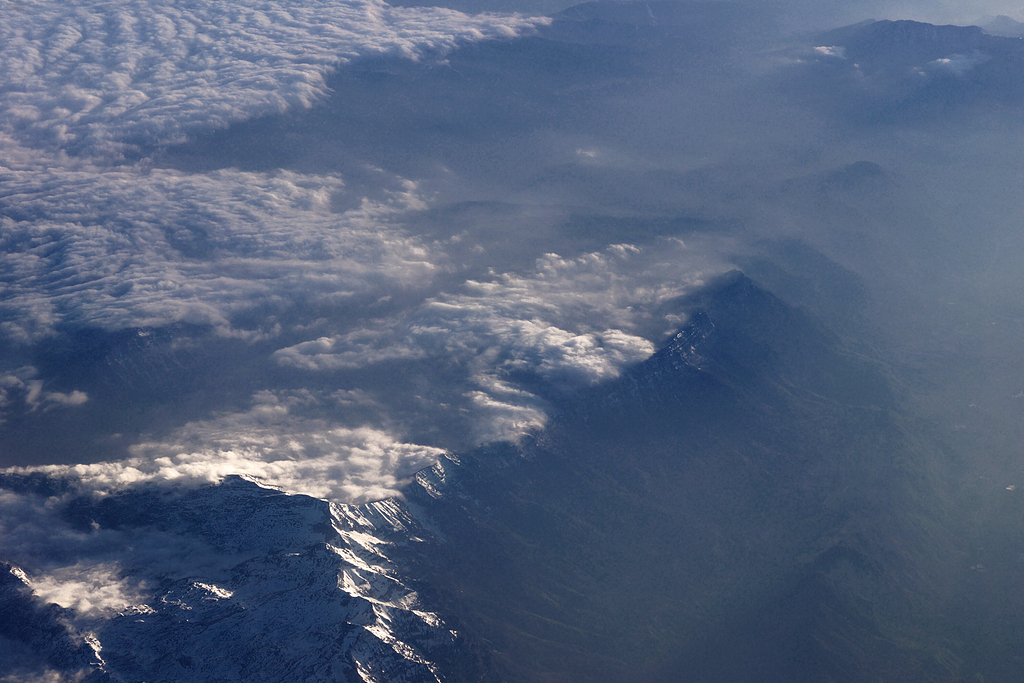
[[269, 443], [571, 321], [119, 249], [91, 590], [93, 77], [837, 51]]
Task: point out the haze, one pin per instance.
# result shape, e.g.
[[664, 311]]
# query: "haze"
[[320, 244]]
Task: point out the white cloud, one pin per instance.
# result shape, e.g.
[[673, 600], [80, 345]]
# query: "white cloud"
[[572, 318], [20, 387], [91, 590], [353, 350], [75, 398], [958, 65], [837, 51], [91, 77], [118, 246], [504, 412], [18, 384], [119, 249], [572, 322], [268, 443]]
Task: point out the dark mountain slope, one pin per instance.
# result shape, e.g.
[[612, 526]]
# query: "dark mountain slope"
[[738, 507]]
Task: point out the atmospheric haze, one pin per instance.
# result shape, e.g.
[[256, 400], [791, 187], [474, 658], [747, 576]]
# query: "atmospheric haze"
[[348, 250]]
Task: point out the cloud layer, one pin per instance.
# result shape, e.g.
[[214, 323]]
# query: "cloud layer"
[[269, 442], [89, 78], [568, 323], [117, 249]]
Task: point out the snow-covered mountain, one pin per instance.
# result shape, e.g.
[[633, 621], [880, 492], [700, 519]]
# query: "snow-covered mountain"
[[239, 582]]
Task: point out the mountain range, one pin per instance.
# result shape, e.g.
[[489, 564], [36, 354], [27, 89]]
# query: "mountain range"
[[750, 502], [646, 341]]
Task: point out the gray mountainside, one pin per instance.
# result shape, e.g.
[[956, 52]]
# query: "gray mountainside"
[[725, 510]]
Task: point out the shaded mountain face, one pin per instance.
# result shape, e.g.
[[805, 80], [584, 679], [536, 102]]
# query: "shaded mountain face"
[[749, 501], [725, 510]]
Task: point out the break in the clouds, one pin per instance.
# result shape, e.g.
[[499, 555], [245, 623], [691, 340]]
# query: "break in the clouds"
[[90, 78]]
